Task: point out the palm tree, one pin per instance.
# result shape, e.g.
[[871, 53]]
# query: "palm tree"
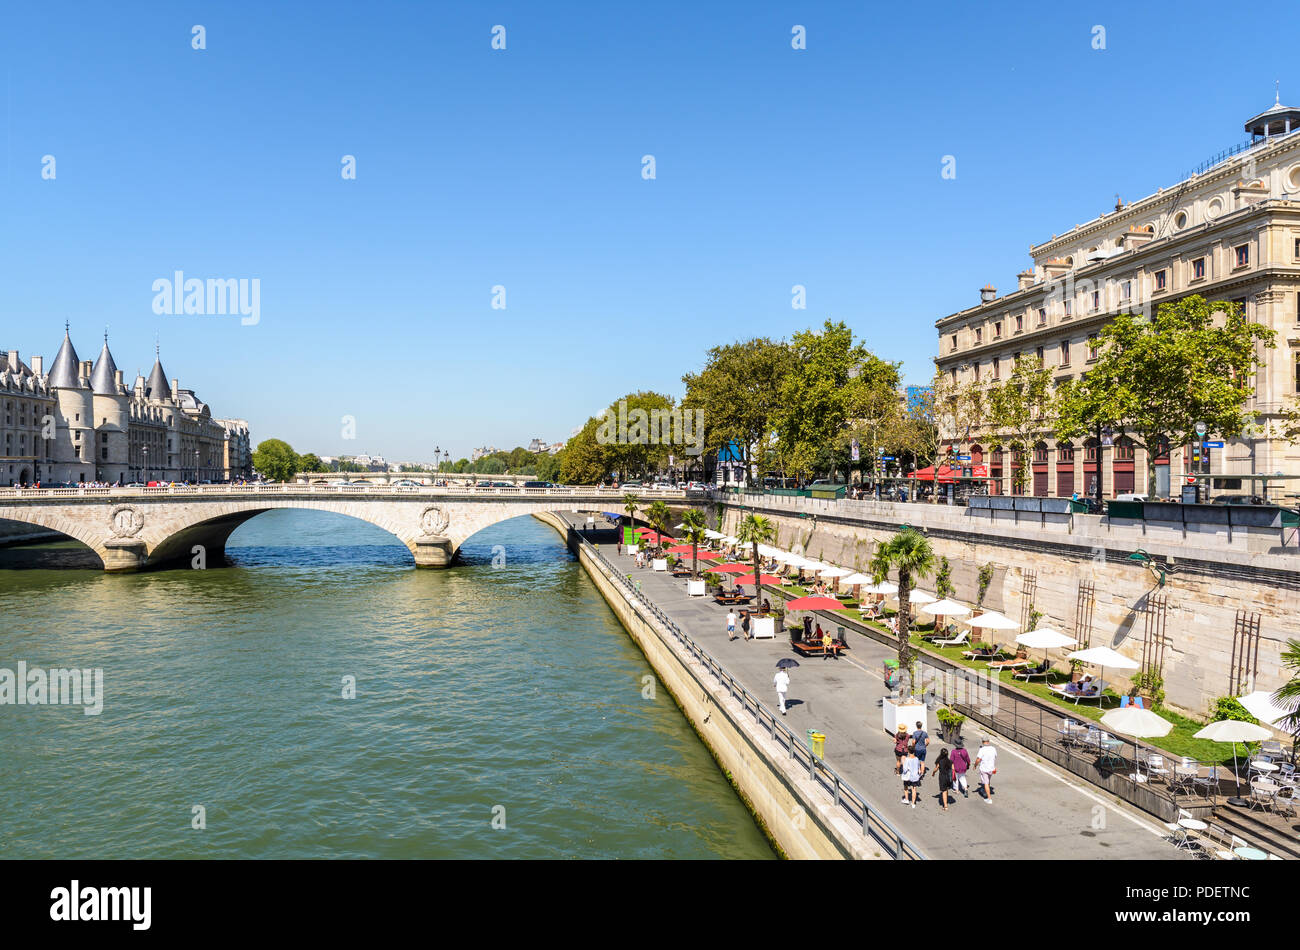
[[693, 528], [658, 516], [631, 507], [909, 553], [1288, 695], [755, 530]]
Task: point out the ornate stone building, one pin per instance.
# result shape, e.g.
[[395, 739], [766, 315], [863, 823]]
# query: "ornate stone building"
[[80, 422], [1230, 231]]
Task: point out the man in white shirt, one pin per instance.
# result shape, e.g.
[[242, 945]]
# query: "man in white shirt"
[[782, 683], [986, 760], [731, 625]]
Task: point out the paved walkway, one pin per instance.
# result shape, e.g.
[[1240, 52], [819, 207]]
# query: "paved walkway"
[[1037, 810]]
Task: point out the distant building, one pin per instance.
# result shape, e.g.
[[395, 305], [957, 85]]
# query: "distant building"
[[480, 452]]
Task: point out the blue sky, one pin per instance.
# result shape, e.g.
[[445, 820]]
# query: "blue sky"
[[522, 168]]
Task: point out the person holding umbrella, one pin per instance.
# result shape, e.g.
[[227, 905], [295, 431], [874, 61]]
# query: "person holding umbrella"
[[782, 680]]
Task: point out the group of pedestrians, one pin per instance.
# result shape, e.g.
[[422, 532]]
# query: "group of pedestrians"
[[910, 751], [744, 624]]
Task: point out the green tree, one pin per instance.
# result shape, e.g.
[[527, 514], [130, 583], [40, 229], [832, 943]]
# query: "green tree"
[[832, 380], [738, 392], [1288, 695], [1019, 410], [694, 526], [310, 463], [548, 467], [631, 504], [1155, 380], [910, 554], [754, 530], [275, 460], [585, 461], [658, 517]]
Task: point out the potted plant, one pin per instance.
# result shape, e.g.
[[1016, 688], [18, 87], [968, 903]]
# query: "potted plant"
[[949, 724]]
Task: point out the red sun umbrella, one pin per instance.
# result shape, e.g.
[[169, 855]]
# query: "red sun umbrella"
[[641, 528], [728, 569], [764, 578], [814, 603], [655, 538], [686, 549]]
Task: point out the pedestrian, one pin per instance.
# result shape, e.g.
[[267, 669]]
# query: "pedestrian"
[[827, 643], [744, 623], [987, 762], [620, 547], [731, 625], [900, 749], [919, 739], [960, 763], [782, 683], [807, 627], [944, 769], [912, 772]]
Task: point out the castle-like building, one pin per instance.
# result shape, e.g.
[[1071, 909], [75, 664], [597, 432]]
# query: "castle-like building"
[[80, 423]]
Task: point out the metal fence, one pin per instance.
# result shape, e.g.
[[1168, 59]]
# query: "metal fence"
[[842, 794]]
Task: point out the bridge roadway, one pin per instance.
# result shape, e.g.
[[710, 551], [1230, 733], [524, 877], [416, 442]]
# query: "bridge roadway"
[[134, 528], [1038, 812]]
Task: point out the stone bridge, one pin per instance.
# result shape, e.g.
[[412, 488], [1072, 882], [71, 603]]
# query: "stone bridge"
[[130, 529]]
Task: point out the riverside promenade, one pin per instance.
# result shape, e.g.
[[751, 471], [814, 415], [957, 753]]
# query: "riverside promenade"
[[1038, 811]]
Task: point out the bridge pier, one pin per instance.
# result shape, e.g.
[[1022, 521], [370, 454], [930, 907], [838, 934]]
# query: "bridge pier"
[[124, 555], [433, 552]]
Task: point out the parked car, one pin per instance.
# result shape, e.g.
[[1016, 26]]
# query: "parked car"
[[1238, 500], [1131, 496], [503, 484], [540, 485], [483, 484]]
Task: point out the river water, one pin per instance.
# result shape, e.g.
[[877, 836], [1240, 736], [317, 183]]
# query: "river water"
[[498, 708]]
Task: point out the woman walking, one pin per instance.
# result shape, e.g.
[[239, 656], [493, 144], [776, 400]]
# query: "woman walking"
[[943, 766], [900, 748]]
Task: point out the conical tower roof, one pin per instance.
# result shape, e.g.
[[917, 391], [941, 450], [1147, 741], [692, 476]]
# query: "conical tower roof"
[[157, 387], [104, 378], [65, 372]]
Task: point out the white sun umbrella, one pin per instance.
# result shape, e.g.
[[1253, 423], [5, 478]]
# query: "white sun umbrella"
[[884, 587], [919, 597], [855, 580], [992, 620], [946, 608], [833, 571], [1104, 657], [1263, 707], [1138, 723], [1045, 638], [713, 535], [1234, 731]]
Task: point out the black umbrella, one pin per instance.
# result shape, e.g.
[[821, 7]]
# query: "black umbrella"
[[786, 663]]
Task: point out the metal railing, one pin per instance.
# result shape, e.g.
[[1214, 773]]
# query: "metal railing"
[[280, 488], [842, 794]]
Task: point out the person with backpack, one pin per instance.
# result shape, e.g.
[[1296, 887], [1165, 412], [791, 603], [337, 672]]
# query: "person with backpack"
[[901, 742], [912, 770]]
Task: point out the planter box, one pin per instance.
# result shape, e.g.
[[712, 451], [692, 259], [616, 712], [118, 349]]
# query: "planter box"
[[762, 628], [906, 713], [695, 588], [659, 564]]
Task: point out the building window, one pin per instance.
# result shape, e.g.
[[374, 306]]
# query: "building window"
[[1160, 280], [1042, 316], [1243, 255], [1065, 352], [997, 330], [977, 372], [1127, 289], [1198, 269], [1297, 249], [1039, 354], [954, 341], [952, 374], [1093, 346], [1096, 300], [1124, 450], [997, 368], [1020, 318], [979, 335], [1069, 309]]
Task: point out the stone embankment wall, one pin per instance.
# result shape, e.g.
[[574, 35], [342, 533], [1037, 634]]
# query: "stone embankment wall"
[[1076, 572]]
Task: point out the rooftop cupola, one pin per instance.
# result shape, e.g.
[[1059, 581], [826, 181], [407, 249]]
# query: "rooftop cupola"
[[1275, 121], [103, 380]]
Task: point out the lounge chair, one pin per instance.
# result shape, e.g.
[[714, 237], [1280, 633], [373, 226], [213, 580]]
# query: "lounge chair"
[[1090, 690], [991, 653], [1042, 669], [961, 639]]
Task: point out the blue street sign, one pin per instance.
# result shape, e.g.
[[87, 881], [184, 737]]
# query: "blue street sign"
[[1212, 445], [886, 458], [963, 458]]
